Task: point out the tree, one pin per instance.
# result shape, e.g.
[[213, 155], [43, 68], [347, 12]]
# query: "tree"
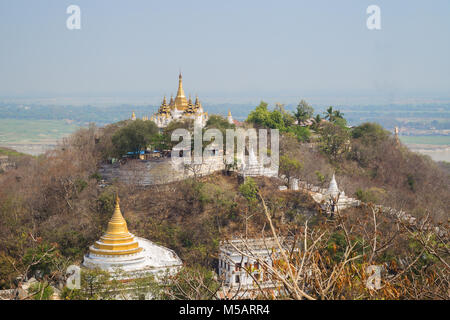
[[194, 283], [334, 140], [329, 114], [301, 133], [166, 141], [338, 114], [276, 119], [304, 111], [134, 137], [334, 115], [260, 116], [370, 133], [290, 167], [218, 122], [249, 190]]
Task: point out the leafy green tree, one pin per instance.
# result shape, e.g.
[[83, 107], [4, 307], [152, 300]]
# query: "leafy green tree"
[[290, 167], [304, 111], [249, 190], [302, 134], [43, 257], [370, 133], [260, 116], [41, 291], [341, 122], [276, 119], [134, 137], [334, 140], [218, 122]]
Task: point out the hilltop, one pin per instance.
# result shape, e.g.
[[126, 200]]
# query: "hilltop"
[[57, 203]]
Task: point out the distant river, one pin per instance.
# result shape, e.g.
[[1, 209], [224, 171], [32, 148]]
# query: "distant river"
[[437, 153]]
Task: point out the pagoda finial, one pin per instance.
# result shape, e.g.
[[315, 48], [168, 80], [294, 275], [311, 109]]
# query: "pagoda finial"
[[180, 100]]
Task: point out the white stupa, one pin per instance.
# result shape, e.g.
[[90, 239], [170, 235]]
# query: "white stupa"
[[333, 189]]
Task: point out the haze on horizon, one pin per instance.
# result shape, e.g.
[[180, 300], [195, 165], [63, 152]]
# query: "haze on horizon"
[[231, 51]]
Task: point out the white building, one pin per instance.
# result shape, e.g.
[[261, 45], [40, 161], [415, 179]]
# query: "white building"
[[243, 266]]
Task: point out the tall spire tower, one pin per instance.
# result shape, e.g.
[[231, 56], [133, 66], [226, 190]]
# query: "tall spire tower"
[[180, 99]]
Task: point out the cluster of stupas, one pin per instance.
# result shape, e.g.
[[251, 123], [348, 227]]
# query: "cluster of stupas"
[[135, 257], [180, 108]]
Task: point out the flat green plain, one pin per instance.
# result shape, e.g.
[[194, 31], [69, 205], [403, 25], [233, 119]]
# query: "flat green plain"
[[34, 131], [432, 140]]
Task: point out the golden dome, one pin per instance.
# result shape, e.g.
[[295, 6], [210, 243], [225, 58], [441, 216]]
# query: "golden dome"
[[117, 240]]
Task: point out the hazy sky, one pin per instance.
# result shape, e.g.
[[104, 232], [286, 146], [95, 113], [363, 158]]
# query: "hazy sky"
[[226, 48]]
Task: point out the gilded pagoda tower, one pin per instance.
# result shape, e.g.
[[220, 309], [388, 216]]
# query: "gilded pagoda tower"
[[180, 109], [136, 257]]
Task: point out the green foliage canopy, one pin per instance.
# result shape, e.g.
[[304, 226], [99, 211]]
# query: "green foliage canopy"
[[134, 137]]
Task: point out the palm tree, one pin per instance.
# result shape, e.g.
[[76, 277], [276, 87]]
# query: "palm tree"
[[329, 114], [338, 114]]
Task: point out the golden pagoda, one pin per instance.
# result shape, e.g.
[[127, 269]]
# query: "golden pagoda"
[[135, 256], [180, 109], [180, 102], [190, 109], [117, 240]]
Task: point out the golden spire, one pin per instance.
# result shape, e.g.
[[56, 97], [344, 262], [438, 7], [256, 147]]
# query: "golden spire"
[[164, 101], [180, 99], [180, 92], [133, 116], [117, 240], [117, 224], [229, 113]]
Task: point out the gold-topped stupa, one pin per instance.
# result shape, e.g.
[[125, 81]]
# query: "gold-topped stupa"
[[180, 100], [117, 240], [135, 256], [180, 108]]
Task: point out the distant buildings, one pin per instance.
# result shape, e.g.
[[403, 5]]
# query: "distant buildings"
[[180, 108]]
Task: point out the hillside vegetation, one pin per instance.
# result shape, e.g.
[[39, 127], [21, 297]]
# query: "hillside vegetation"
[[52, 208]]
